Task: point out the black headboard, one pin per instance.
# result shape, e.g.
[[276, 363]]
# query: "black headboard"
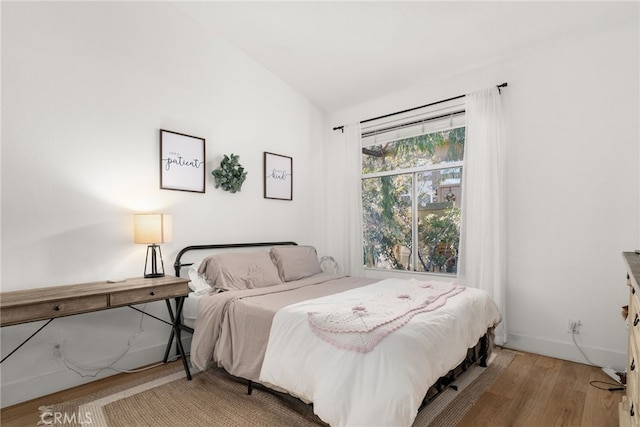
[[177, 265]]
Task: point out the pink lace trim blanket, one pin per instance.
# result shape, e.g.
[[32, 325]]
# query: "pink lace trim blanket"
[[362, 325]]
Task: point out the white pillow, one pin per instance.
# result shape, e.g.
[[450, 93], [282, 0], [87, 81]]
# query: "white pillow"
[[198, 284]]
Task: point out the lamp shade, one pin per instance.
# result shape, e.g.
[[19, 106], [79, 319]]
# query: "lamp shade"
[[152, 228]]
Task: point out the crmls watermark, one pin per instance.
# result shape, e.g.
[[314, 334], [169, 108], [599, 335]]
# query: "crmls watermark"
[[51, 417]]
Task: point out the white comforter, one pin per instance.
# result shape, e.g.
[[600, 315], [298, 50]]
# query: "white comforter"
[[385, 386]]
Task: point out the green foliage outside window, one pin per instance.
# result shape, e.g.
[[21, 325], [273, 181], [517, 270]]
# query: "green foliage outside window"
[[429, 149], [389, 211], [439, 240]]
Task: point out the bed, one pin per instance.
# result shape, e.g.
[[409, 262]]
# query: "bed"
[[363, 351]]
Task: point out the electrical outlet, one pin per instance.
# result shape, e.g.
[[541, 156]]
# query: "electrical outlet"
[[57, 350], [573, 326]]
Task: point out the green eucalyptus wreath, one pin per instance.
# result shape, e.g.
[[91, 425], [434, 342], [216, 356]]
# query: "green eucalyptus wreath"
[[230, 175]]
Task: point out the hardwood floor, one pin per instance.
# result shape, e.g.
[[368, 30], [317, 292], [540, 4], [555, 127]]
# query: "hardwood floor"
[[533, 391], [542, 391]]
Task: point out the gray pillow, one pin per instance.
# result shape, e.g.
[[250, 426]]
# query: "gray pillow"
[[295, 262], [233, 271]]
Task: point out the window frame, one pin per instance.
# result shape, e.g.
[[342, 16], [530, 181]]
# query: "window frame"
[[426, 129]]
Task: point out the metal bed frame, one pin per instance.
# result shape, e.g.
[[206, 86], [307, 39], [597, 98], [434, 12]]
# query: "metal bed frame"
[[478, 354]]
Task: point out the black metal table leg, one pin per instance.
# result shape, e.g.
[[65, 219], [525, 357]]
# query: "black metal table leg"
[[175, 334], [172, 335], [25, 341]]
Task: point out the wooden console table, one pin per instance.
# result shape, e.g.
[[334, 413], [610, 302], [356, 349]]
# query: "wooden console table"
[[49, 303]]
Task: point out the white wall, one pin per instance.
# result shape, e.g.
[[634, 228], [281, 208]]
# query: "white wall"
[[573, 183], [86, 86]]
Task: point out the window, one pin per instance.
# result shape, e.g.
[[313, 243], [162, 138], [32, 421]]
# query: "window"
[[411, 194]]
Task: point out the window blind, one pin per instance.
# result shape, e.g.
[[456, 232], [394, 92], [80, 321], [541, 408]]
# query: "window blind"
[[430, 119]]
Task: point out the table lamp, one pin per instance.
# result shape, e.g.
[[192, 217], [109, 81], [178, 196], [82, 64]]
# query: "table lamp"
[[152, 229]]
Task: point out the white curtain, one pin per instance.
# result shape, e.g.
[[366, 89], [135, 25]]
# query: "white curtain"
[[482, 257], [352, 194]]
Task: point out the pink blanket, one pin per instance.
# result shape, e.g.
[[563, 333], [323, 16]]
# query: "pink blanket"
[[362, 325]]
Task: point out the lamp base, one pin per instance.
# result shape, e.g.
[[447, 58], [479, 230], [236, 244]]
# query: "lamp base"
[[152, 275], [154, 252]]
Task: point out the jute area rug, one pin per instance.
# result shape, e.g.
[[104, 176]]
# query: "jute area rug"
[[214, 398]]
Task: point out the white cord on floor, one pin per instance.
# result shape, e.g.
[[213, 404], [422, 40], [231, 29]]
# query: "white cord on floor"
[[75, 366]]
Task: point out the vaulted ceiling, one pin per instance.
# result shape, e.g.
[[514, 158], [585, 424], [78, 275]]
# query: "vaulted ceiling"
[[341, 53]]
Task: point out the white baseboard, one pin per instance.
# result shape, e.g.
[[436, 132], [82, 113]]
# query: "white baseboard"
[[41, 385], [568, 351], [52, 382]]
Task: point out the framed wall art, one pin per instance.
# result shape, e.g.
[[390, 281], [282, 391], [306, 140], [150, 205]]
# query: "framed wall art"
[[278, 176], [182, 162]]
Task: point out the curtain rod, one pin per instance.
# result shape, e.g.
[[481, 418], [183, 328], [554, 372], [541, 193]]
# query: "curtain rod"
[[341, 128]]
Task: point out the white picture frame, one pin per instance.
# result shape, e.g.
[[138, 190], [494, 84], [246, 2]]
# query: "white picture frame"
[[278, 176], [182, 162]]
